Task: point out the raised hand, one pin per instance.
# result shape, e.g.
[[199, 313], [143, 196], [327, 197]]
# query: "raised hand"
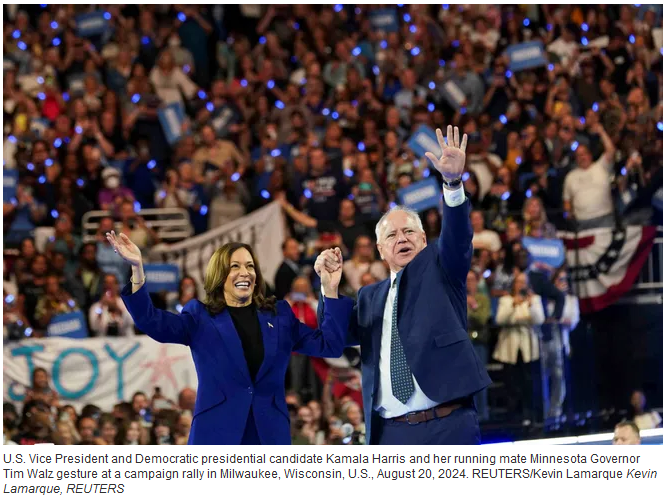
[[453, 154], [329, 267], [125, 248]]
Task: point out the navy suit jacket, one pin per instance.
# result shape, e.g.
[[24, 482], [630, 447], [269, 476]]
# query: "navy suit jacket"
[[225, 392], [431, 320]]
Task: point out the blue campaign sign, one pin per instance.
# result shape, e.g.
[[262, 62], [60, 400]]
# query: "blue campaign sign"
[[526, 55], [422, 195], [72, 325], [224, 117], [384, 20], [92, 24], [10, 178], [548, 251], [454, 94], [424, 140], [161, 278], [171, 119]]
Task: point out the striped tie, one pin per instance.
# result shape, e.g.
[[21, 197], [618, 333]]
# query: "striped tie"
[[400, 372]]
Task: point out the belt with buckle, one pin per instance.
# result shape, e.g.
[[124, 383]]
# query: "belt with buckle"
[[440, 411]]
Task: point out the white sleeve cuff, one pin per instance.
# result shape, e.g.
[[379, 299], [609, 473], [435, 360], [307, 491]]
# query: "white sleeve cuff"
[[454, 198]]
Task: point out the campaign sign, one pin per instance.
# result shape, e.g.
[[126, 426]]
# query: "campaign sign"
[[526, 55], [384, 20], [424, 140], [422, 195], [93, 24], [39, 125], [171, 118], [10, 178], [548, 251], [454, 94], [72, 325], [161, 278], [75, 84], [225, 116]]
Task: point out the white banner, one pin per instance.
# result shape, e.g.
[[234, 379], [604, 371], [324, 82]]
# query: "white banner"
[[263, 230], [101, 371]]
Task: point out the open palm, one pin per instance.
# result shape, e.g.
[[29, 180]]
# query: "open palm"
[[453, 154], [125, 248]]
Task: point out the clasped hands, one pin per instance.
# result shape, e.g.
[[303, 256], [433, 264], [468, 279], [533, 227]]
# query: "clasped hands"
[[329, 267]]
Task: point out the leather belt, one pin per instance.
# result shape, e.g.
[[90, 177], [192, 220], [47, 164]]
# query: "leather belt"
[[440, 411]]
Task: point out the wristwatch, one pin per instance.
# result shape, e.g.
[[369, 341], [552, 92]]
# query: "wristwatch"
[[452, 183]]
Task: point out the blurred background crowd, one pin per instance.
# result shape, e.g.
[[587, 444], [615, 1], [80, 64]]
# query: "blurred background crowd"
[[314, 107]]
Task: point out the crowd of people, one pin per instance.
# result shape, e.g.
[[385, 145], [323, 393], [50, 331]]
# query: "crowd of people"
[[314, 107]]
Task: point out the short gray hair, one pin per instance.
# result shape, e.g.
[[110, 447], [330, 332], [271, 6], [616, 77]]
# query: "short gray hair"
[[411, 213]]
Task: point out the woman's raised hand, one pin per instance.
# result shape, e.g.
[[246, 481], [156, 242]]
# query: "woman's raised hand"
[[125, 248]]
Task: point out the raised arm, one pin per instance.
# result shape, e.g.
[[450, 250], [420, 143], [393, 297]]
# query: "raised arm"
[[454, 243], [160, 325], [329, 339]]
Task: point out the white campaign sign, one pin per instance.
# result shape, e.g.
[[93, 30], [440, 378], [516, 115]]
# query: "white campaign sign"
[[100, 371]]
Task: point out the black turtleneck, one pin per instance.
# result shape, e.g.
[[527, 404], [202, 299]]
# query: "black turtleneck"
[[246, 322]]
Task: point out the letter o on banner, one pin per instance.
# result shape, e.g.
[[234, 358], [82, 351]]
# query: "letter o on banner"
[[65, 393]]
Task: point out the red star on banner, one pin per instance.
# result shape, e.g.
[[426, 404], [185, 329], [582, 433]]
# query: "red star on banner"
[[162, 366]]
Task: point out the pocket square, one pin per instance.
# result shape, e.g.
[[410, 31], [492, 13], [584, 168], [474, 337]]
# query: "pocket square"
[[270, 325]]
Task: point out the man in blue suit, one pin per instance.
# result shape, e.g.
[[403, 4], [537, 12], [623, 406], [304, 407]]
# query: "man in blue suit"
[[419, 368]]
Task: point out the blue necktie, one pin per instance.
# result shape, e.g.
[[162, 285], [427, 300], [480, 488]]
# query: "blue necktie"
[[400, 372]]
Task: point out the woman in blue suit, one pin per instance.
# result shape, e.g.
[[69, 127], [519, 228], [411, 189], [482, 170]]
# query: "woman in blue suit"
[[240, 341]]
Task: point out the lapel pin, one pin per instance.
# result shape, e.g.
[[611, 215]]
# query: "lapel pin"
[[270, 325]]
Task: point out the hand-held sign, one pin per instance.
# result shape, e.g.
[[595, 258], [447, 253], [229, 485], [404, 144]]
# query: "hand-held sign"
[[453, 154]]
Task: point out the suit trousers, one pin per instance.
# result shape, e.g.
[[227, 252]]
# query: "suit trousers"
[[460, 427]]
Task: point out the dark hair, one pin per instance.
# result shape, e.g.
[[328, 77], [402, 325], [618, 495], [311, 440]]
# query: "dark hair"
[[216, 275]]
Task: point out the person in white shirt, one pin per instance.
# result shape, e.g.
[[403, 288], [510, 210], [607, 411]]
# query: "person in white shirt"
[[109, 316], [517, 315], [483, 238], [170, 82], [363, 261], [587, 192], [643, 419]]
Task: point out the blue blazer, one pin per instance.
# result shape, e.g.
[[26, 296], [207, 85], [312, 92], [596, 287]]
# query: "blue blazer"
[[225, 392], [431, 320]]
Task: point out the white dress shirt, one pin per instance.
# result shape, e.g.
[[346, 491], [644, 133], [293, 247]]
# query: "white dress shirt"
[[387, 405]]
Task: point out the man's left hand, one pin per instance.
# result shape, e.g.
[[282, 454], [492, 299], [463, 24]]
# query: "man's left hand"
[[453, 154]]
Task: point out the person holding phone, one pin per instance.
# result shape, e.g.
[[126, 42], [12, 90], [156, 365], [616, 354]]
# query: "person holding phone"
[[517, 315], [241, 342], [109, 317]]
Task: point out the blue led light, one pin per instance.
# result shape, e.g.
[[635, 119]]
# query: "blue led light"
[[57, 143], [426, 173], [407, 17], [16, 34], [584, 41], [41, 96], [595, 107], [201, 94], [66, 97], [393, 205], [356, 51], [466, 176], [244, 83], [54, 213], [12, 139], [518, 160], [549, 27], [210, 107], [432, 85], [430, 107], [383, 44], [505, 196], [455, 43], [503, 119], [145, 40], [413, 28], [31, 167], [659, 126], [462, 110], [275, 152], [582, 120], [48, 163], [632, 39], [348, 172], [54, 25], [135, 98], [9, 299], [526, 22], [78, 130], [270, 84], [203, 210], [56, 42], [376, 70], [181, 17], [528, 193], [22, 45], [486, 273], [441, 63], [550, 67], [325, 112], [265, 194], [415, 51], [307, 193], [361, 147], [107, 16], [235, 176], [338, 7], [80, 182], [509, 74], [151, 164], [263, 40], [279, 104], [40, 80], [623, 171], [137, 206], [335, 115], [574, 146], [584, 26]]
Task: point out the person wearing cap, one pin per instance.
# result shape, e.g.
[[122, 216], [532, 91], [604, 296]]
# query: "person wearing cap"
[[113, 193]]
